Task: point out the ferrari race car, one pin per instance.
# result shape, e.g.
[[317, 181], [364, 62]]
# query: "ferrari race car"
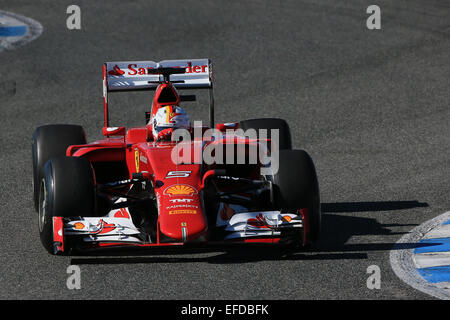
[[237, 182]]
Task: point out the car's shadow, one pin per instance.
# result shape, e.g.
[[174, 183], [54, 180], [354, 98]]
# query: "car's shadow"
[[337, 229]]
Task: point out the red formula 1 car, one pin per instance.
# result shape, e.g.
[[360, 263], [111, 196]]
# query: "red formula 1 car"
[[132, 189]]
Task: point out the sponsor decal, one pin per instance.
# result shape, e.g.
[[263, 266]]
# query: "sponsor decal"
[[116, 71], [195, 69], [180, 190], [286, 218], [134, 70], [78, 225], [143, 159], [182, 206], [181, 200], [178, 174], [136, 159], [183, 211]]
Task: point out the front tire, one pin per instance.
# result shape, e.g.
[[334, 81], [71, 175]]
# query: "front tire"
[[51, 141], [66, 190], [295, 186]]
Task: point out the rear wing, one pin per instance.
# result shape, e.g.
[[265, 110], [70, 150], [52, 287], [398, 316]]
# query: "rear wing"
[[135, 75], [138, 75]]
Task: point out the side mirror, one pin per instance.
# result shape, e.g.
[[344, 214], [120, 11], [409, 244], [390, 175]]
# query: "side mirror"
[[227, 126], [114, 131]]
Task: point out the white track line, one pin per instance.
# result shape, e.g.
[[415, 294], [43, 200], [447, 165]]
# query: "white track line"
[[34, 30], [432, 259], [402, 261], [441, 232]]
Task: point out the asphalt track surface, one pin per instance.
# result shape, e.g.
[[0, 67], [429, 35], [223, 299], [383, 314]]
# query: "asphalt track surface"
[[370, 106]]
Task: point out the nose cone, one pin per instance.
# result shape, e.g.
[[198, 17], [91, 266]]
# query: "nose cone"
[[181, 215]]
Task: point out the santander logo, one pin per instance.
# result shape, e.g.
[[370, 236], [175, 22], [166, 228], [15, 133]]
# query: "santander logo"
[[116, 71], [134, 70]]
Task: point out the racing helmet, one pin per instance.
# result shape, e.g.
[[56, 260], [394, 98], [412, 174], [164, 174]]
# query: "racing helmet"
[[170, 116]]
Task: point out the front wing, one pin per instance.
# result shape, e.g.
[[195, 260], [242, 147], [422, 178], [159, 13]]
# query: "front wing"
[[117, 230]]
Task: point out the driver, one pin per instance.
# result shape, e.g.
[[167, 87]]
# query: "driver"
[[167, 119]]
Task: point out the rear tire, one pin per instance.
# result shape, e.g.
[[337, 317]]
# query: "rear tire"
[[66, 190], [51, 141], [295, 186], [285, 141]]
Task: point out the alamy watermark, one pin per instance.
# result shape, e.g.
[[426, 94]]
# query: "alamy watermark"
[[234, 146], [373, 22], [374, 280], [73, 21], [74, 279]]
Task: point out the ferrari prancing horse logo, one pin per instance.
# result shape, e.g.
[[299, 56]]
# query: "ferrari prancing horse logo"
[[136, 159]]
